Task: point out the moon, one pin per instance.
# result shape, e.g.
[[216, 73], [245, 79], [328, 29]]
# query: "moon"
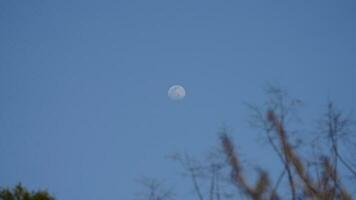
[[176, 92]]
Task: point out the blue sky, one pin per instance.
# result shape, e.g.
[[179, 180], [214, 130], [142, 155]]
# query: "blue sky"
[[83, 84]]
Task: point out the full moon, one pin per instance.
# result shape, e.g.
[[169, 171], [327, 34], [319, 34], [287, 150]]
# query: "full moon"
[[176, 92]]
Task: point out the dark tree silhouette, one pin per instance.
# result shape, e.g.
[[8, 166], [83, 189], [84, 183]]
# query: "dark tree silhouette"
[[21, 193]]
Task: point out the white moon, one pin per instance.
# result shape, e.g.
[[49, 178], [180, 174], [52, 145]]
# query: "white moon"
[[176, 92]]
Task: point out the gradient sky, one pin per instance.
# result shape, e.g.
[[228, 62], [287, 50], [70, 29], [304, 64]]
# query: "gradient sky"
[[84, 110]]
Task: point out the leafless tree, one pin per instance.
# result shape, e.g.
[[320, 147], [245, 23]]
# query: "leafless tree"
[[317, 177], [336, 128], [154, 190], [207, 176], [285, 109]]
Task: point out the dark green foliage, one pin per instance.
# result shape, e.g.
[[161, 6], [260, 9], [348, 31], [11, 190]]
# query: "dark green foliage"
[[21, 193]]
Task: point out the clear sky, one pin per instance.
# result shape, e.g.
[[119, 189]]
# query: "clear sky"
[[84, 110]]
